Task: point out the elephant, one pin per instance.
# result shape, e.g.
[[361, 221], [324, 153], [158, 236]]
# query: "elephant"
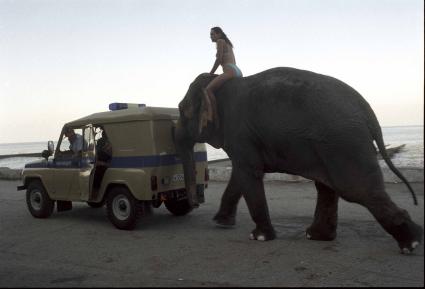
[[299, 122]]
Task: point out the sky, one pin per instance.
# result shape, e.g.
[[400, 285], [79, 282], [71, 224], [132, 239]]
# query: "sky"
[[64, 59]]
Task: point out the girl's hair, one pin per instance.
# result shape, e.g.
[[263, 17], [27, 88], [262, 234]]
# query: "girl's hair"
[[223, 35]]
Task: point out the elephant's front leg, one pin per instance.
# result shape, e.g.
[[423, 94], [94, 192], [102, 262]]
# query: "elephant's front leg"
[[252, 185], [226, 215], [325, 216]]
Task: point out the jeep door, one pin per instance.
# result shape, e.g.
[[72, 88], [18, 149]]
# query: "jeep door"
[[66, 168]]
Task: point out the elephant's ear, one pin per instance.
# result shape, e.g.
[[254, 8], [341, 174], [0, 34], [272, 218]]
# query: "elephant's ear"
[[206, 111]]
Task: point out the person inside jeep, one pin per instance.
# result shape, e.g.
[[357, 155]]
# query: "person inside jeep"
[[103, 158], [76, 141], [103, 149]]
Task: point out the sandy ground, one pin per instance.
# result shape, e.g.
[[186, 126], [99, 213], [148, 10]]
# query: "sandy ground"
[[81, 248]]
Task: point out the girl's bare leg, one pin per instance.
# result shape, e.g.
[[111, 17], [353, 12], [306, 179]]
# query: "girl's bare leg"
[[215, 84]]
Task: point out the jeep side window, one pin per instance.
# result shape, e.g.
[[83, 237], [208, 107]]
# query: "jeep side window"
[[88, 139], [88, 146], [72, 141]]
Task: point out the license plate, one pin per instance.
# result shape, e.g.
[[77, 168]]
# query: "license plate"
[[178, 178]]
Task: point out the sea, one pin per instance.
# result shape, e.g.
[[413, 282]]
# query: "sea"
[[412, 154]]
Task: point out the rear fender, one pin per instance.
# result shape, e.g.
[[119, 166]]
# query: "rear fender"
[[136, 180]]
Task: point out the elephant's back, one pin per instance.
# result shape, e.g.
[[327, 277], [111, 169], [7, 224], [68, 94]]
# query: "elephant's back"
[[294, 78], [302, 102], [297, 90]]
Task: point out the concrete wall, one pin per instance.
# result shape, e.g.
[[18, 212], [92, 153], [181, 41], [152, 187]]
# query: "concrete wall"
[[413, 175], [222, 173]]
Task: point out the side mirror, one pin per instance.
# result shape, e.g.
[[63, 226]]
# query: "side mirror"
[[50, 148]]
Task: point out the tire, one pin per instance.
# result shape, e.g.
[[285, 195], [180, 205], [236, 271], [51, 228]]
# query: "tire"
[[178, 208], [121, 208], [95, 205], [38, 201]]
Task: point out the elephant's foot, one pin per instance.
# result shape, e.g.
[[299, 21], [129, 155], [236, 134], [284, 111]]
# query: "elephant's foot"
[[224, 221], [321, 233], [408, 236], [263, 235]]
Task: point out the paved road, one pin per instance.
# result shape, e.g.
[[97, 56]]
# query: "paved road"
[[80, 248]]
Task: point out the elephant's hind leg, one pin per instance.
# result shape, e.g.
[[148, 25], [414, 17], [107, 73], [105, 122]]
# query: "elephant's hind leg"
[[393, 219], [325, 216], [354, 173]]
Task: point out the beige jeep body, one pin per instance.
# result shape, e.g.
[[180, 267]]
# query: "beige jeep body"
[[143, 160]]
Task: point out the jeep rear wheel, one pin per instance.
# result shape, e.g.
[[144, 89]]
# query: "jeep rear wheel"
[[38, 201], [178, 207], [121, 208]]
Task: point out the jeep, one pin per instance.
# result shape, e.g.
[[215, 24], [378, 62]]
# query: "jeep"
[[124, 158]]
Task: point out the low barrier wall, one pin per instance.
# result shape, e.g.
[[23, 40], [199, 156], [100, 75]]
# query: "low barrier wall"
[[413, 175], [222, 173], [9, 174]]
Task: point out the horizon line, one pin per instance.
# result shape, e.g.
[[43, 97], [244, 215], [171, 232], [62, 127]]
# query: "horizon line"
[[39, 141]]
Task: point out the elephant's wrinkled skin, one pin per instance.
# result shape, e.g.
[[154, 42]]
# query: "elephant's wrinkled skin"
[[297, 122]]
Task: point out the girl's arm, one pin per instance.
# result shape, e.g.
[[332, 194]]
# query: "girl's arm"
[[219, 55]]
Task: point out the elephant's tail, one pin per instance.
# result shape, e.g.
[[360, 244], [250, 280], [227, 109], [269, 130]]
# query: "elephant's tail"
[[377, 136]]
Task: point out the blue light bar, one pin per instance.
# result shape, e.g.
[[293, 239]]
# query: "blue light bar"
[[120, 105]]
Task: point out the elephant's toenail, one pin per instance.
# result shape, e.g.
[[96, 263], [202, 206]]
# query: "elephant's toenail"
[[251, 236], [405, 251], [308, 236], [261, 238], [415, 244]]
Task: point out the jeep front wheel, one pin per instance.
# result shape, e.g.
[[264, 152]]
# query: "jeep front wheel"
[[38, 201], [178, 207], [121, 208]]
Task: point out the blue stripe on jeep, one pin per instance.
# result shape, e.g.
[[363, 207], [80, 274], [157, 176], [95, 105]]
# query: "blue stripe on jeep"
[[152, 161]]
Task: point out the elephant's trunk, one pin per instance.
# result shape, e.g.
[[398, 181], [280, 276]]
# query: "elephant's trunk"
[[184, 147]]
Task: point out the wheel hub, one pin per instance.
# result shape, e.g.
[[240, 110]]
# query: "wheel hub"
[[36, 200], [121, 207]]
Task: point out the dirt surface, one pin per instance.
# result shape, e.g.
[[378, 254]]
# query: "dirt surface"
[[81, 248]]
